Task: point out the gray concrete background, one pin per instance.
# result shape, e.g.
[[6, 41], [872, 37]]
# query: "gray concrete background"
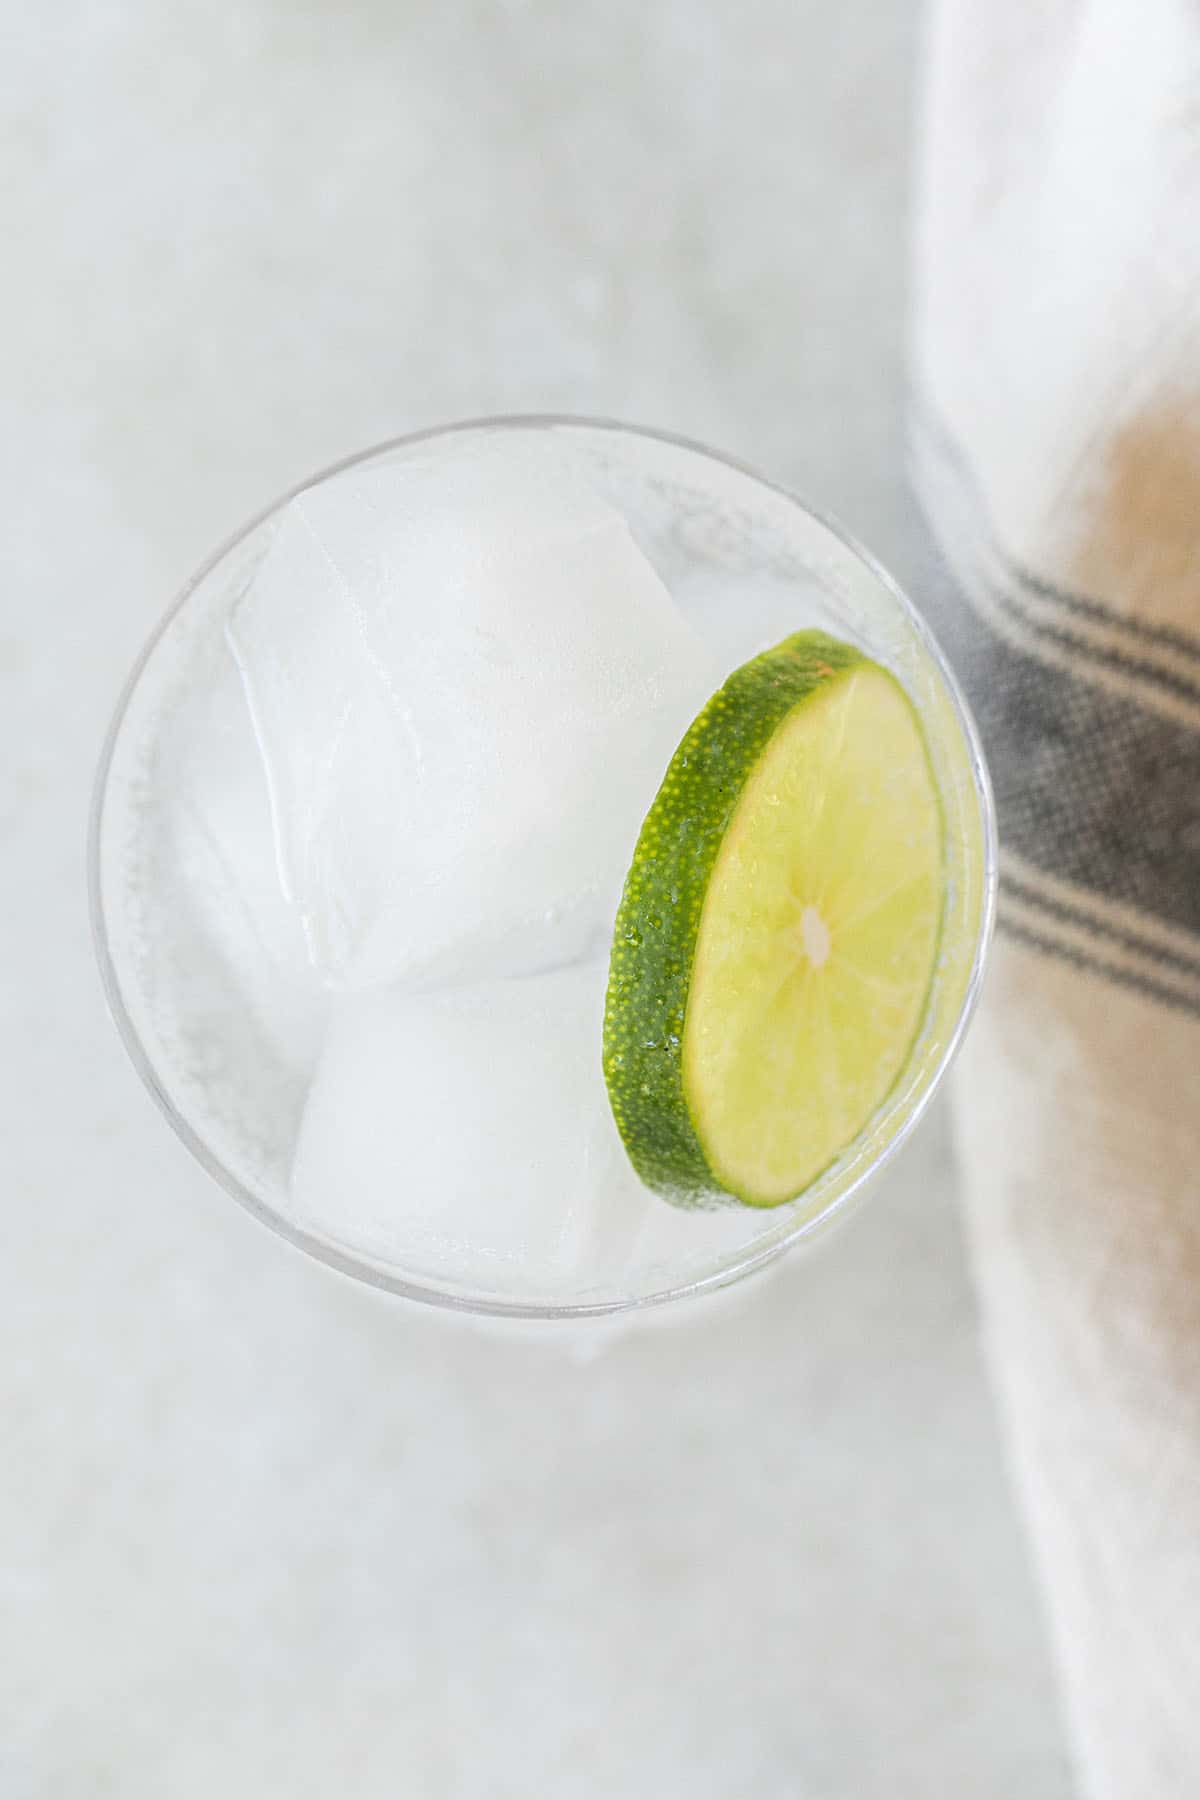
[[261, 1533]]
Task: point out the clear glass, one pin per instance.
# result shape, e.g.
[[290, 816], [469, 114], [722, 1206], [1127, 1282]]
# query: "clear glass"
[[748, 563]]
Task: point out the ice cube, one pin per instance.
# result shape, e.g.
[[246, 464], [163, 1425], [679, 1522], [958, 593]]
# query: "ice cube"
[[466, 682], [464, 1133], [219, 836]]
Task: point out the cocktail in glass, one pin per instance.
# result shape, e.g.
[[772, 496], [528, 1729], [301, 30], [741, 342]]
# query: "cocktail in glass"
[[435, 1122]]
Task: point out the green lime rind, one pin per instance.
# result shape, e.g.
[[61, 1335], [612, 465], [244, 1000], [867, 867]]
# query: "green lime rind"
[[658, 920]]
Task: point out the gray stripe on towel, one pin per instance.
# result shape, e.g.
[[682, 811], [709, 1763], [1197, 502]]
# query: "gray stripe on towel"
[[1091, 786], [1096, 965]]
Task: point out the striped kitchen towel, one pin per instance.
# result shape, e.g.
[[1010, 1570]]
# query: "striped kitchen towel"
[[1056, 452]]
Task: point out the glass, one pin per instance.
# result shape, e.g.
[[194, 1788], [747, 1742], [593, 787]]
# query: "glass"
[[748, 563]]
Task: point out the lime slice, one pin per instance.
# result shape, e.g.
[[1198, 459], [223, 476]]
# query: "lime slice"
[[776, 938]]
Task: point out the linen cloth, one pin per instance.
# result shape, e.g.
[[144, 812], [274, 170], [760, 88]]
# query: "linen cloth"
[[1056, 451]]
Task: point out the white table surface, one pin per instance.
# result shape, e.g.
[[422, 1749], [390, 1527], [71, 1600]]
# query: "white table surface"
[[262, 1533]]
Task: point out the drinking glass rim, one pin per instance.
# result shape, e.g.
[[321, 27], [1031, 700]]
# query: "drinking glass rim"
[[741, 1264]]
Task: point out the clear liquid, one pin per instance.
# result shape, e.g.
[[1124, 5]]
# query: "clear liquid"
[[489, 1092]]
